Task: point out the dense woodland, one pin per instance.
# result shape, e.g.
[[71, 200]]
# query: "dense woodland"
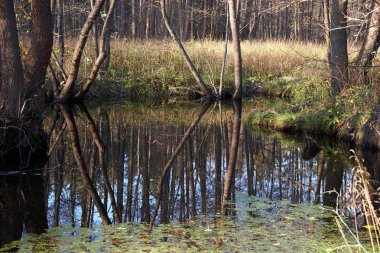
[[301, 20], [343, 25]]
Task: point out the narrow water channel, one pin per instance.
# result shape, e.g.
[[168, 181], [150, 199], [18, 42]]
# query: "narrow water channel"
[[281, 192]]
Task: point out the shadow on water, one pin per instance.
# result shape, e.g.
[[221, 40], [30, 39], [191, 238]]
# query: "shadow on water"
[[22, 204], [135, 163]]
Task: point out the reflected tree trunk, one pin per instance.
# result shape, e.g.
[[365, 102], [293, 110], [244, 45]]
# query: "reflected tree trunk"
[[73, 191], [169, 163], [165, 192], [58, 176], [334, 178], [232, 156], [280, 170], [25, 197], [145, 208], [218, 167], [181, 168], [131, 167], [321, 164], [202, 177], [77, 152], [102, 160], [120, 168]]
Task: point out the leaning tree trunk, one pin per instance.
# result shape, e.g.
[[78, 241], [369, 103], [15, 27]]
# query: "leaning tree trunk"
[[206, 91], [370, 45], [338, 40]]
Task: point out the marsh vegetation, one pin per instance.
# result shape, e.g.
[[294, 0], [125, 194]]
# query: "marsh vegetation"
[[254, 126]]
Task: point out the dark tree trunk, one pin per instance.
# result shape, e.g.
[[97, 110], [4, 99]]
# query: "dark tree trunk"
[[145, 208], [11, 72], [25, 196], [338, 40], [38, 57]]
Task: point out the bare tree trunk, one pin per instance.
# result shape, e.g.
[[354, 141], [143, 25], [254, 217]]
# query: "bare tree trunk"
[[338, 35], [206, 91], [370, 45], [95, 32], [38, 56], [326, 20], [104, 37], [134, 25], [235, 23], [61, 35], [11, 71], [77, 55]]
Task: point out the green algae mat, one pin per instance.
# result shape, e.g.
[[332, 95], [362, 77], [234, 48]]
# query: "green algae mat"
[[257, 225]]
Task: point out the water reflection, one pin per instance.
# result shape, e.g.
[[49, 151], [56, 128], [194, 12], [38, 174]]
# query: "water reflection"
[[195, 162], [132, 163], [22, 205]]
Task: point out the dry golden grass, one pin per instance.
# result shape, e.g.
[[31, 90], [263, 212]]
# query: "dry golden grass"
[[150, 65], [160, 61]]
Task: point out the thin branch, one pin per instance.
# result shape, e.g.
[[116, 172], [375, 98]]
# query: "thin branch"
[[77, 55], [102, 54]]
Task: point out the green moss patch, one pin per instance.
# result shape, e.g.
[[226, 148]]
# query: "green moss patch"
[[259, 225]]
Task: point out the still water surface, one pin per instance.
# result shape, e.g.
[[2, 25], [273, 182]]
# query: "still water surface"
[[278, 199]]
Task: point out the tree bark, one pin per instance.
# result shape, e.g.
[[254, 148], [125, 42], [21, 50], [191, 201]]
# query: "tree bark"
[[339, 56], [207, 92], [370, 45], [11, 72], [38, 57], [104, 37], [234, 22], [77, 55]]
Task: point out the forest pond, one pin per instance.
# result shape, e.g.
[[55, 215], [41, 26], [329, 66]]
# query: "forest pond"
[[283, 197]]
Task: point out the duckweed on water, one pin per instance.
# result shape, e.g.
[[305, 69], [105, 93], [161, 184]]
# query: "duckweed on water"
[[260, 225]]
